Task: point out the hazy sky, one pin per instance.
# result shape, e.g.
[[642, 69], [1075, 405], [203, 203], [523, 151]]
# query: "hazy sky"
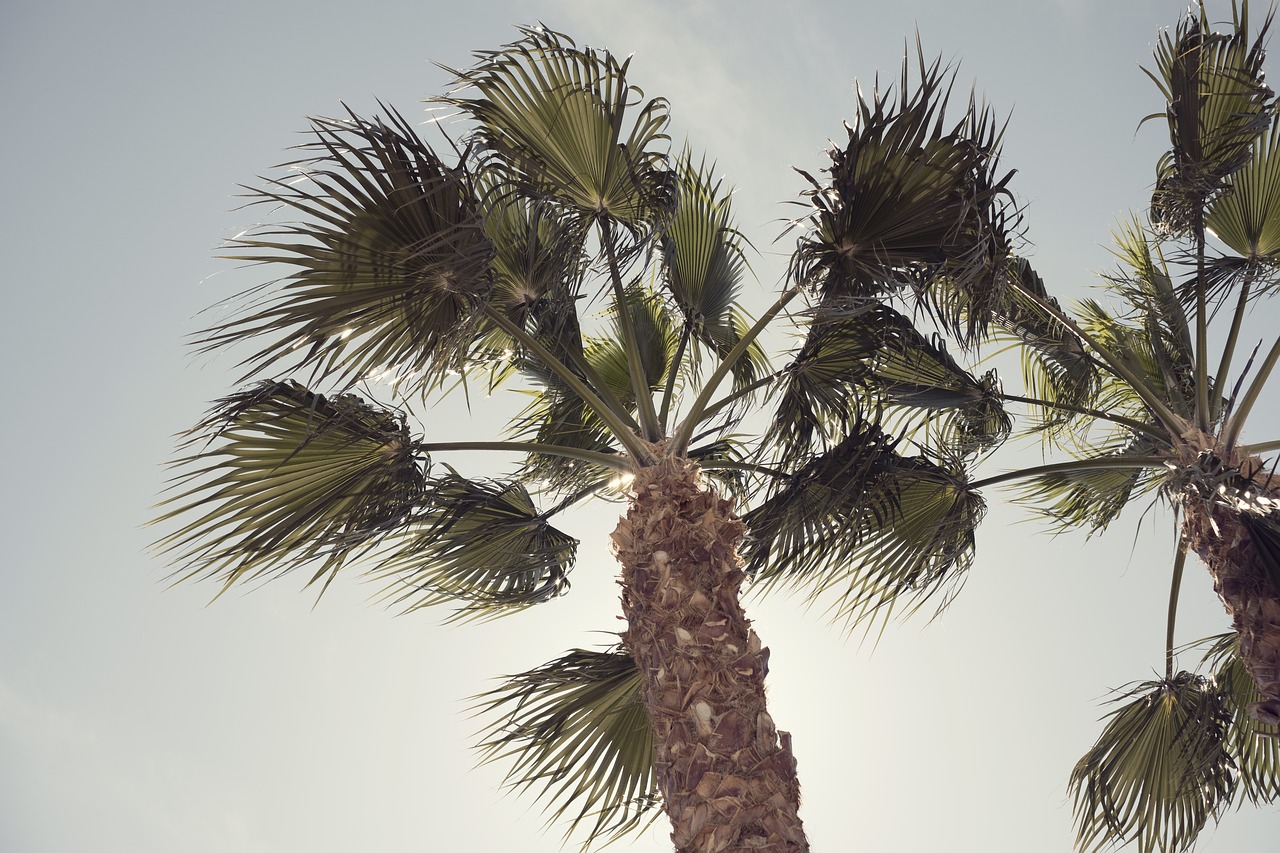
[[136, 718]]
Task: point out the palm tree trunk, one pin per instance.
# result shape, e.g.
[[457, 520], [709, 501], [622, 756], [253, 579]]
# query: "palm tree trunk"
[[727, 776], [1219, 537]]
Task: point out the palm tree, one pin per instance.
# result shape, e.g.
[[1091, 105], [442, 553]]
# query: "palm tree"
[[1131, 393], [413, 274]]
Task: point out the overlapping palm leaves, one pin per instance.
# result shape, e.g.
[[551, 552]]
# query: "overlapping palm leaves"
[[416, 268], [1120, 386], [391, 261]]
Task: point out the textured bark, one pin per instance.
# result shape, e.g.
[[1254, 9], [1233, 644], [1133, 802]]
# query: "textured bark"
[[1213, 530], [1241, 580], [727, 776]]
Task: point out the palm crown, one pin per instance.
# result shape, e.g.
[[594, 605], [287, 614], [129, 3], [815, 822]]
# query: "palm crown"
[[431, 273]]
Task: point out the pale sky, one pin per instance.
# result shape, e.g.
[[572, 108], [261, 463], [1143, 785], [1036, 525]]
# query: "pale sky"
[[143, 719]]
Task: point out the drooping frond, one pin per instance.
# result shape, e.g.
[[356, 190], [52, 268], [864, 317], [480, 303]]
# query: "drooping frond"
[[1218, 105], [563, 123], [864, 360], [874, 528], [1254, 746], [479, 544], [1093, 497], [911, 202], [280, 476], [578, 737], [1159, 770], [390, 262], [703, 263], [1055, 365]]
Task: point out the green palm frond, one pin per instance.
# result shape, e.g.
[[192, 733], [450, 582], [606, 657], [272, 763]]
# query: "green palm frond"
[[1246, 216], [281, 476], [391, 264], [1159, 770], [876, 529], [1138, 340], [477, 543], [578, 736], [563, 123], [1092, 498], [862, 360], [655, 339], [1218, 105], [1254, 746], [912, 203], [538, 265], [1056, 368], [703, 265]]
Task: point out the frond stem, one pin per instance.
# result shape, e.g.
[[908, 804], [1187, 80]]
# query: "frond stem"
[[623, 430], [1175, 586], [1138, 426], [649, 425], [1202, 327], [1228, 351], [669, 391], [680, 439], [616, 461], [1238, 417], [1075, 465]]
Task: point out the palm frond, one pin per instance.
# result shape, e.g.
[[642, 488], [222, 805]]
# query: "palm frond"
[[912, 203], [703, 264], [279, 476], [863, 360], [1254, 746], [391, 264], [1159, 770], [876, 529], [563, 123], [577, 735], [1055, 366], [1218, 105], [538, 266], [1092, 498], [480, 544], [1246, 216]]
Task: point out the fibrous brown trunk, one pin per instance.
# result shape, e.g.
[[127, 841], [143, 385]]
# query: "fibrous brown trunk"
[[727, 776], [1213, 528]]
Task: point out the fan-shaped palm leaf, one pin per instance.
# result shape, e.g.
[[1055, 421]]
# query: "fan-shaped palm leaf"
[[391, 261], [1254, 746], [1246, 216], [578, 735], [866, 359], [478, 543], [1094, 497], [911, 202], [281, 475], [703, 266], [876, 528], [1218, 106], [563, 122], [1159, 770], [538, 266]]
